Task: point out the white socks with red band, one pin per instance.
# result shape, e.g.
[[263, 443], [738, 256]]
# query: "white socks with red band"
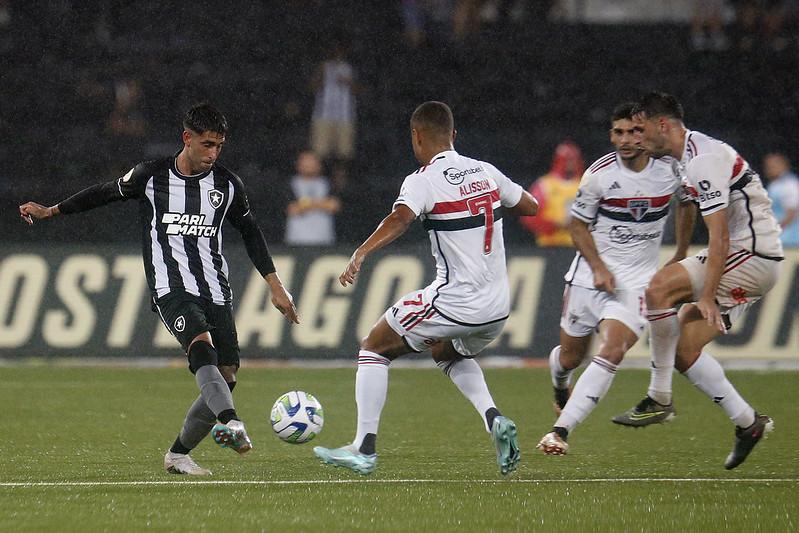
[[371, 387], [664, 333]]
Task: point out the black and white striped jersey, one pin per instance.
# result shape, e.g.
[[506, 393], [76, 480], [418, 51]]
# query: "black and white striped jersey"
[[181, 218]]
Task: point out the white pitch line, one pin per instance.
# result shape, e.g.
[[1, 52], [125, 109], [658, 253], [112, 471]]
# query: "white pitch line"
[[24, 484]]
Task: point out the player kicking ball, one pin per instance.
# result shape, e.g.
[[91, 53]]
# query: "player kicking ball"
[[461, 202], [617, 226], [183, 201], [739, 266]]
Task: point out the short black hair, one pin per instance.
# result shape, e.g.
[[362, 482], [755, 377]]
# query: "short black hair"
[[205, 117], [624, 111], [658, 104], [435, 117]]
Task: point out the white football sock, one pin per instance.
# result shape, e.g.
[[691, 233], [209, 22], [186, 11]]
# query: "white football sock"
[[371, 387], [708, 376], [561, 378], [664, 333], [591, 387], [467, 375]]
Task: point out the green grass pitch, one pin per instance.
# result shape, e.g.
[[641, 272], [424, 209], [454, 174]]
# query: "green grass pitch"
[[82, 450]]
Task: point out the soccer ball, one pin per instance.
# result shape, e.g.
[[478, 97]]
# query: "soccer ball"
[[297, 417]]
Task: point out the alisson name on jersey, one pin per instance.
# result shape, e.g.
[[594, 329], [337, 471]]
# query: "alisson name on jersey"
[[475, 186], [184, 224]]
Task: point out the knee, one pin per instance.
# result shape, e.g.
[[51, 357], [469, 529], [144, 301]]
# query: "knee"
[[655, 293], [613, 354], [201, 354]]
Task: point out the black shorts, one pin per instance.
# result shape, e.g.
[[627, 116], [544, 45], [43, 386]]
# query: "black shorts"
[[186, 316]]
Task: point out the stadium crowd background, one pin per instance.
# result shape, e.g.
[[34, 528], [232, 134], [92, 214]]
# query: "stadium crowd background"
[[91, 87]]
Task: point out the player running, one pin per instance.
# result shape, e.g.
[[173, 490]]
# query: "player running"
[[183, 200], [739, 266], [617, 226], [461, 203]]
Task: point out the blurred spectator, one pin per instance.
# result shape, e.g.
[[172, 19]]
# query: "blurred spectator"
[[426, 19], [311, 213], [333, 120], [127, 118], [555, 192], [707, 26], [765, 23], [783, 189]]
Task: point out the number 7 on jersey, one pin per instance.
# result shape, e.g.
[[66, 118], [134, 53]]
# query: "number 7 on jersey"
[[485, 204]]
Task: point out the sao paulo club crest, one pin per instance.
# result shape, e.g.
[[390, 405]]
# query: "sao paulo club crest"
[[638, 208], [216, 198]]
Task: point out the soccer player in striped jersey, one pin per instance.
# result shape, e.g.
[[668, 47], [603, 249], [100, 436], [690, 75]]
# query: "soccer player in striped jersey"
[[617, 226], [183, 201], [739, 266], [461, 202]]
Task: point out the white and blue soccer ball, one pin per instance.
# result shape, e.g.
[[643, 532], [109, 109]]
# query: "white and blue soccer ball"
[[297, 417]]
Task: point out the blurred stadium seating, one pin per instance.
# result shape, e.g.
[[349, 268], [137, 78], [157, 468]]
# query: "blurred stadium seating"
[[517, 89]]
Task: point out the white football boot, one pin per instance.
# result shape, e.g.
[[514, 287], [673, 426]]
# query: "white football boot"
[[179, 463]]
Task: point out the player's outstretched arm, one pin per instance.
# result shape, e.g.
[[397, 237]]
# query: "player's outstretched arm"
[[526, 207], [89, 198], [394, 225], [584, 242]]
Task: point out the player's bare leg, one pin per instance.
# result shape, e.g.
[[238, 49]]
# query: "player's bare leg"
[[670, 286], [707, 375], [616, 338], [378, 349], [467, 375], [563, 360]]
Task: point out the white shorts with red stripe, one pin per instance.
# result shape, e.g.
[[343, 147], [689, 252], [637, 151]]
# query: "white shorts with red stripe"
[[745, 280], [584, 309], [415, 319]]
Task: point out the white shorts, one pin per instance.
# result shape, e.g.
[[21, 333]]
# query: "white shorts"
[[421, 325], [584, 309], [746, 279]]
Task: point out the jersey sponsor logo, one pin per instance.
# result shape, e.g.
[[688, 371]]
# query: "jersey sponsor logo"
[[215, 198], [625, 235], [189, 225], [615, 185], [705, 196], [180, 323], [456, 176], [475, 186], [638, 207]]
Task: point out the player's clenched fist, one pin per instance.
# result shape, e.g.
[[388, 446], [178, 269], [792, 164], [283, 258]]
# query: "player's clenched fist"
[[31, 211]]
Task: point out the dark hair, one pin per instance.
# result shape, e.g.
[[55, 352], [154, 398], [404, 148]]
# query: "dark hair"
[[657, 104], [435, 117], [205, 117], [624, 111]]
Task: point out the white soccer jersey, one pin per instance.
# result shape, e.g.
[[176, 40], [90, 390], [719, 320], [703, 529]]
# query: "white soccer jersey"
[[460, 201], [716, 177], [627, 211]]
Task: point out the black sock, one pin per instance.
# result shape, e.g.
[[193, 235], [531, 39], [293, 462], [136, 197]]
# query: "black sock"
[[491, 414], [368, 444], [227, 415], [178, 447], [563, 433]]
